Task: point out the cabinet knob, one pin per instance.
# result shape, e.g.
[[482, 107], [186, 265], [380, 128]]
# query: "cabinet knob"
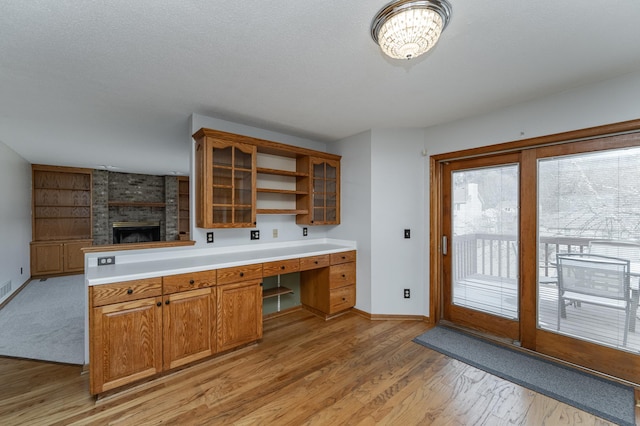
[[282, 267], [130, 291], [159, 304], [344, 276], [316, 262], [166, 302], [242, 274], [191, 282], [344, 299]]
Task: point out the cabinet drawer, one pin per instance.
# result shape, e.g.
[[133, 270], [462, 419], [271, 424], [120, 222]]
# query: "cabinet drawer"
[[313, 262], [190, 281], [342, 298], [280, 267], [125, 291], [343, 257], [342, 275], [239, 273]]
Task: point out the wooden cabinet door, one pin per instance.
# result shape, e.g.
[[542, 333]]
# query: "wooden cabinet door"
[[189, 324], [226, 184], [325, 187], [239, 314], [126, 343], [73, 255], [47, 258]]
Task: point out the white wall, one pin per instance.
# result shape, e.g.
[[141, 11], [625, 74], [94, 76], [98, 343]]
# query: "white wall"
[[398, 191], [15, 211], [355, 211], [607, 102], [286, 225]]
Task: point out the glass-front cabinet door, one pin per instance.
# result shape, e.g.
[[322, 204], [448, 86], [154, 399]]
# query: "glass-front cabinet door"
[[229, 187], [325, 194]]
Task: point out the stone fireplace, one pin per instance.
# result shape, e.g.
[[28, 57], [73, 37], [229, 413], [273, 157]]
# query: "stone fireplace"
[[133, 198]]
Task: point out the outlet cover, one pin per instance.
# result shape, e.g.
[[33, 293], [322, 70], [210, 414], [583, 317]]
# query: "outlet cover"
[[255, 235], [106, 260], [305, 232], [407, 293], [407, 233], [209, 237]]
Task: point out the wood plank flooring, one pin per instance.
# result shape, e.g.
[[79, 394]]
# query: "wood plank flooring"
[[306, 371]]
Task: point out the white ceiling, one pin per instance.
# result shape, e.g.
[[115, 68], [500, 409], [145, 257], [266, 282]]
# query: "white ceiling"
[[91, 83]]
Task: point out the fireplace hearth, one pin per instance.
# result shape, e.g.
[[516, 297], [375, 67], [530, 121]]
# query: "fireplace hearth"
[[135, 232]]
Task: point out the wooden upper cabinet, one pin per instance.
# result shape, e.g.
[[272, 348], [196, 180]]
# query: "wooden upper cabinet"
[[226, 189], [226, 184], [323, 201]]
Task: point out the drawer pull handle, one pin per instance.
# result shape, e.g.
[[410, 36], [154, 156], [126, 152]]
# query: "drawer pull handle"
[[191, 282], [159, 304], [242, 274], [130, 291], [316, 262], [344, 257]]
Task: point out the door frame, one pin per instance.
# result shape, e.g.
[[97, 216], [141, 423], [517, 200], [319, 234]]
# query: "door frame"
[[619, 364]]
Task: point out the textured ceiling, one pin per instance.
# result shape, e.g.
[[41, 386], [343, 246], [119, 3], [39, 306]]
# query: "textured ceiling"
[[92, 83]]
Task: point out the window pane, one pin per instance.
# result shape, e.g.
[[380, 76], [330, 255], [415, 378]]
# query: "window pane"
[[589, 204], [485, 240]]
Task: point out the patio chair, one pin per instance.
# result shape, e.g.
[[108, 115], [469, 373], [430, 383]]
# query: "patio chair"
[[629, 250], [594, 279]]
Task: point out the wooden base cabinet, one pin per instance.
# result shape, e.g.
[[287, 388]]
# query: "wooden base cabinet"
[[239, 314], [330, 290], [136, 332], [189, 326], [58, 257], [125, 329]]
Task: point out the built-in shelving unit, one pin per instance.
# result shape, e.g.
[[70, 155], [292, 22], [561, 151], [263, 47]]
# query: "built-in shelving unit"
[[275, 179], [276, 291]]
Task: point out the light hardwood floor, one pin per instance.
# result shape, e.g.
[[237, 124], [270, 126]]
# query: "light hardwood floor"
[[348, 370]]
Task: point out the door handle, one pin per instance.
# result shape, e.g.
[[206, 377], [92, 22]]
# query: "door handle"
[[444, 245]]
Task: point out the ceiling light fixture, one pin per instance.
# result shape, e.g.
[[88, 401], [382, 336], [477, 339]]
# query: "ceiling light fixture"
[[405, 29]]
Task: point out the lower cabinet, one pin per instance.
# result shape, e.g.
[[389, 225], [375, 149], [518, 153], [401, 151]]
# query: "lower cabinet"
[[239, 313], [125, 342], [189, 320], [330, 290], [58, 257]]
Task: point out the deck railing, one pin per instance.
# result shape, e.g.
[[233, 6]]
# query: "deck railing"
[[497, 255]]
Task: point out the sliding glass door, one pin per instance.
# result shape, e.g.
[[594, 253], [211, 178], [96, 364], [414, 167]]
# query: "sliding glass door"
[[482, 285], [542, 246]]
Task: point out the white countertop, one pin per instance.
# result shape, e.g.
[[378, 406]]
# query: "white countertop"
[[140, 264]]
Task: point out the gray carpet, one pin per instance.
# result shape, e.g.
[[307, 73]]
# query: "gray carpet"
[[603, 398], [45, 321]]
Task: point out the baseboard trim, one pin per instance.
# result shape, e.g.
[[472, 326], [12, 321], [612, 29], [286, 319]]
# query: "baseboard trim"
[[15, 293], [386, 317]]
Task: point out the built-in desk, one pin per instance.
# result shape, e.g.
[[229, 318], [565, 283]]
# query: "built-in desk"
[[151, 311]]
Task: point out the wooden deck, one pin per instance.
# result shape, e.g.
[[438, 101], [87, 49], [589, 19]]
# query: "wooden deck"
[[587, 322]]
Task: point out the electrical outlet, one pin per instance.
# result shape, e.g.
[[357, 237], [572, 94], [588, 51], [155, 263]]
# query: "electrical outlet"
[[255, 235], [407, 233], [407, 293], [275, 233], [106, 260], [305, 232], [209, 237]]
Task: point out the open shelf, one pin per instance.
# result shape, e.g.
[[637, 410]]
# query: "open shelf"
[[282, 191], [281, 211], [280, 172], [276, 291]]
